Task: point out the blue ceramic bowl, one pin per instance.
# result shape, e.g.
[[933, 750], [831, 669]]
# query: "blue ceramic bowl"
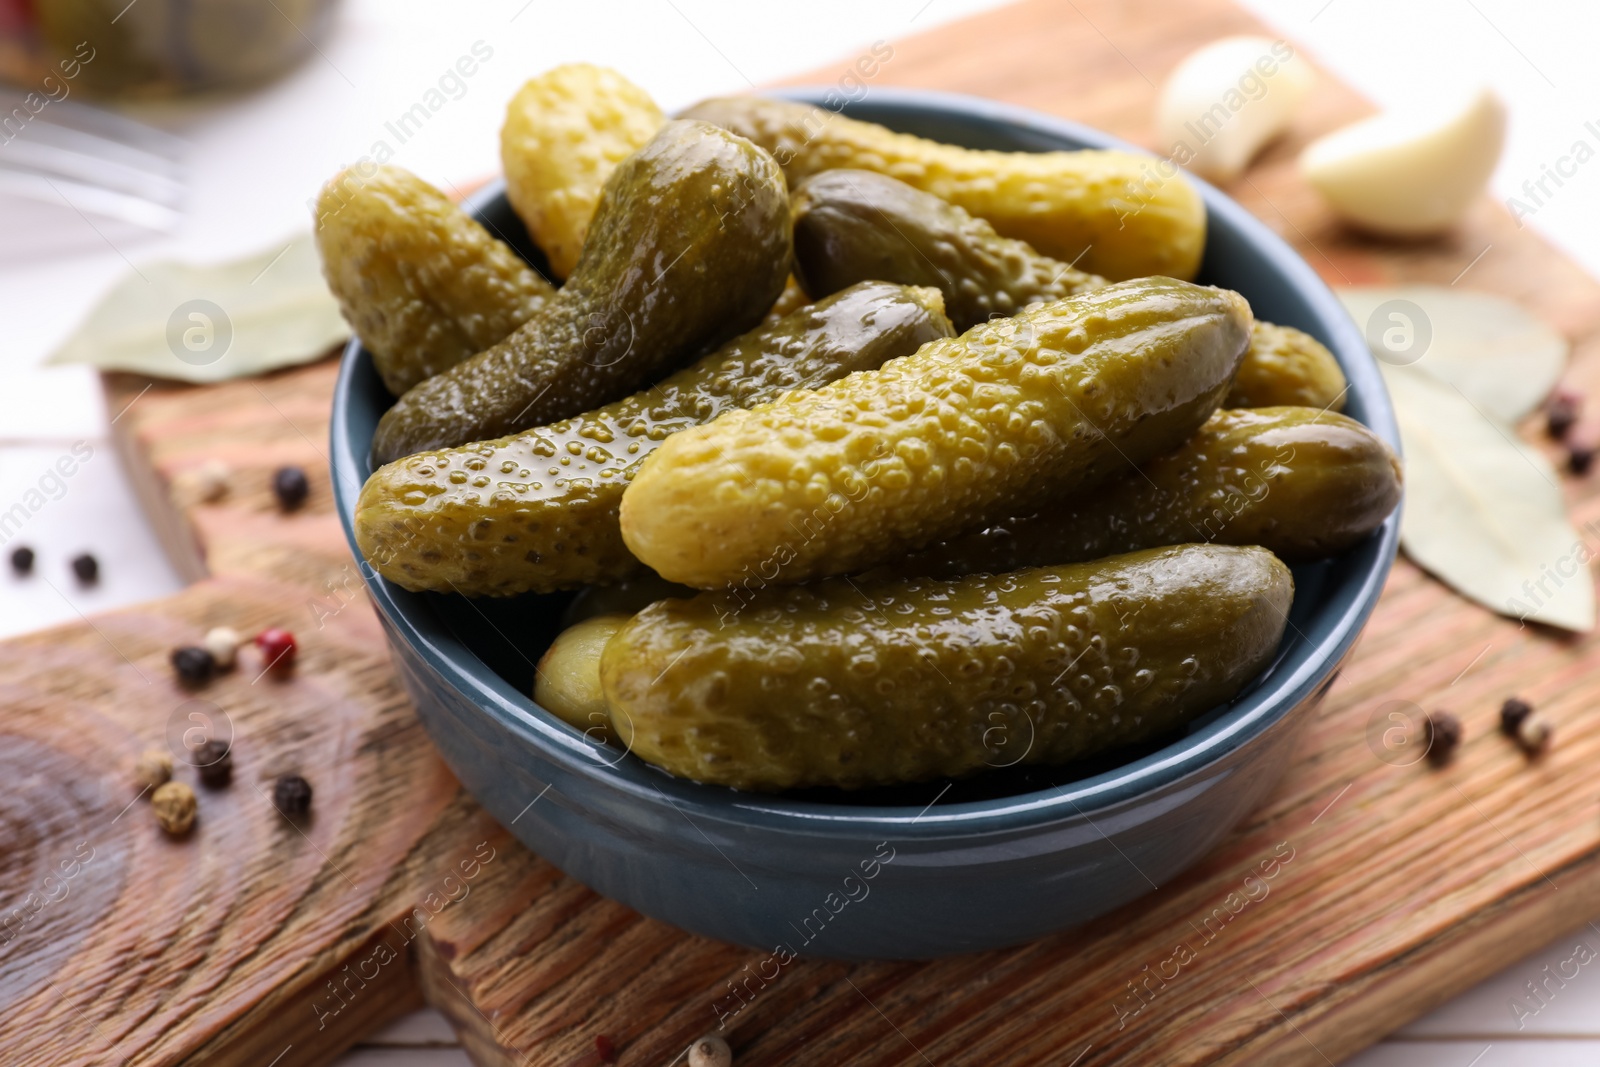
[[915, 871]]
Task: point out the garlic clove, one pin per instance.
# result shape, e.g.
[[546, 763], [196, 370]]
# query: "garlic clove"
[[1225, 101], [1410, 173]]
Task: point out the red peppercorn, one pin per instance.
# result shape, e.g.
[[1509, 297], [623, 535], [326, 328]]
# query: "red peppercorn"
[[606, 1050], [277, 648]]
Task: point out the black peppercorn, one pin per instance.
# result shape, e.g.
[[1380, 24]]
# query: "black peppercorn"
[[22, 560], [1444, 736], [1580, 458], [1561, 412], [194, 665], [214, 760], [1512, 713], [292, 795], [87, 568], [290, 486]]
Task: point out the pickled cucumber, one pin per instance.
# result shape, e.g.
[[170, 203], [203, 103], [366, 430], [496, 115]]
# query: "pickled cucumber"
[[865, 683], [421, 283], [1300, 482], [1111, 213], [850, 225], [689, 247], [565, 132], [854, 224], [567, 679], [537, 511], [1287, 367], [967, 431]]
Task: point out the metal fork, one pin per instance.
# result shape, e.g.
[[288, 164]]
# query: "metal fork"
[[100, 162]]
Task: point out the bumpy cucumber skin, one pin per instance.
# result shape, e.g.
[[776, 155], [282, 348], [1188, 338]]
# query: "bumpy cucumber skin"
[[565, 132], [850, 225], [1285, 368], [538, 511], [1115, 210], [964, 432], [868, 683], [421, 283], [689, 247], [1302, 483]]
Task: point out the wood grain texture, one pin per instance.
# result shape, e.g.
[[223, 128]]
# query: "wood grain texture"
[[1391, 887]]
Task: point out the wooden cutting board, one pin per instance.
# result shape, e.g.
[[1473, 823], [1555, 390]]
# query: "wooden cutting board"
[[260, 941]]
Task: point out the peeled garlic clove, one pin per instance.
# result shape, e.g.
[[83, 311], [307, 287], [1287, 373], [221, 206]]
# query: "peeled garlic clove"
[[1227, 100], [1410, 173]]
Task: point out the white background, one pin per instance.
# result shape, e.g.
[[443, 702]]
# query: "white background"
[[254, 161]]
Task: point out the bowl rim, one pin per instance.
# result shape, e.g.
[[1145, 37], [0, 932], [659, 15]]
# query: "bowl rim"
[[1166, 768]]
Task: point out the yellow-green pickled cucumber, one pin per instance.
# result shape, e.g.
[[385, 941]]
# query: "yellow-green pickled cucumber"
[[689, 247], [850, 225], [1300, 482], [565, 132], [856, 224], [853, 684], [1113, 213], [567, 679], [966, 431], [1287, 367], [421, 283], [537, 511]]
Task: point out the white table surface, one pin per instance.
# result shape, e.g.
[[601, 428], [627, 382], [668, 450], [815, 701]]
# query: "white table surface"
[[255, 161]]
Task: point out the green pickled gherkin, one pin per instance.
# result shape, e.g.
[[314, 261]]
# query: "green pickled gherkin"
[[855, 224], [964, 432], [850, 225], [867, 683], [537, 511], [1120, 214], [1287, 367], [689, 246], [422, 284], [1302, 483]]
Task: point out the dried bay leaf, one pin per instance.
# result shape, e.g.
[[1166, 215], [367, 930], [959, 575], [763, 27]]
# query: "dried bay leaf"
[[209, 323], [1503, 358], [1484, 511]]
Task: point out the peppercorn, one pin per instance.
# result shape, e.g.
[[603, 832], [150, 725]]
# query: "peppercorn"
[[87, 568], [214, 760], [223, 644], [1512, 712], [277, 648], [194, 665], [291, 795], [154, 768], [710, 1051], [22, 560], [211, 480], [290, 486], [1580, 457], [1444, 736], [604, 1048], [1561, 412], [1534, 734], [175, 807]]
